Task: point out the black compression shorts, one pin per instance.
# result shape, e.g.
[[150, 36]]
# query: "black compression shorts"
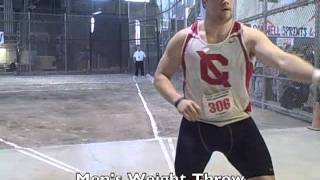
[[240, 142]]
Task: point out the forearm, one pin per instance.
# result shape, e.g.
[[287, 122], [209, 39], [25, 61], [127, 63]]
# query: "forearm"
[[166, 88], [296, 68]]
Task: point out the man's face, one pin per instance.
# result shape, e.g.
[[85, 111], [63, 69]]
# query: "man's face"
[[221, 10]]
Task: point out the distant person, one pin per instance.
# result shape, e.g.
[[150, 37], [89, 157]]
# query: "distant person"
[[138, 58], [12, 67]]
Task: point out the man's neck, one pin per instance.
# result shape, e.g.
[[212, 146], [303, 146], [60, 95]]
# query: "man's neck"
[[215, 32]]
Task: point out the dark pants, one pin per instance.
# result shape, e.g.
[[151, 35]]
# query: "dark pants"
[[139, 65], [240, 142]]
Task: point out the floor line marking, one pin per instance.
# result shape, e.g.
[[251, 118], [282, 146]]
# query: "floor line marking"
[[171, 146], [155, 129], [41, 157]]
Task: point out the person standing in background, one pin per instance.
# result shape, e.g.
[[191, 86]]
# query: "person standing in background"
[[138, 58]]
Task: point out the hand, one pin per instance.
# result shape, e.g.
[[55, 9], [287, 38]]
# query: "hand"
[[189, 109]]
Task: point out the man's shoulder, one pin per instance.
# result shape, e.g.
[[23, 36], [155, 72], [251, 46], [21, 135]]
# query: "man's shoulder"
[[250, 31], [181, 35], [178, 39]]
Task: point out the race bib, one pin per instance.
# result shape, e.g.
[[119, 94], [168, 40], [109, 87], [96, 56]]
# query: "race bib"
[[219, 104]]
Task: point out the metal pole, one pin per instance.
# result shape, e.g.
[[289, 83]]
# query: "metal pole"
[[65, 43], [235, 13], [316, 108], [176, 15], [129, 59], [11, 16], [67, 4], [170, 17], [145, 10], [145, 35], [5, 17], [29, 40], [6, 24], [185, 13], [158, 42], [148, 60], [129, 11], [120, 46], [264, 81], [90, 44], [119, 7], [317, 43], [145, 22]]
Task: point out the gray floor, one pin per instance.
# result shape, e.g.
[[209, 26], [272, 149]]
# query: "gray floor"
[[51, 127]]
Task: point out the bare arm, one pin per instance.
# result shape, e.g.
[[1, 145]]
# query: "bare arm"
[[269, 54], [168, 65]]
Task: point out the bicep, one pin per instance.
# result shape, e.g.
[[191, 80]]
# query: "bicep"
[[168, 65], [171, 59]]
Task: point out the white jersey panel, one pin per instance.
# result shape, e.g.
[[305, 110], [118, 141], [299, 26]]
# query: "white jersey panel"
[[216, 78]]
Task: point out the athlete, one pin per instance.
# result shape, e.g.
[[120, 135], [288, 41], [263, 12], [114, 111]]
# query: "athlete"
[[217, 56]]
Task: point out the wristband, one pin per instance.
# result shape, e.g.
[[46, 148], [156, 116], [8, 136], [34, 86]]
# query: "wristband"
[[316, 76], [176, 103]]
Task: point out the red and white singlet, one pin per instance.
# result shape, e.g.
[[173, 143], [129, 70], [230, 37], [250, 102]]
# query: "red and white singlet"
[[217, 76]]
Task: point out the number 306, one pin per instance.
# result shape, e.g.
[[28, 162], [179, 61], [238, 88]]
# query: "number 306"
[[219, 106]]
